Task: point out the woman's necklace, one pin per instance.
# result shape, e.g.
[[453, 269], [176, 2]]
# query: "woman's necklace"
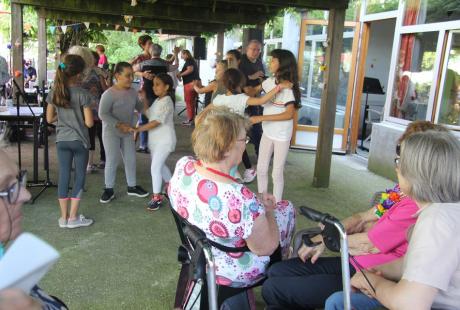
[[388, 200], [217, 172]]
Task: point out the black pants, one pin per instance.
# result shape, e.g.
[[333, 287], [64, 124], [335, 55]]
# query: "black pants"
[[293, 284], [246, 160], [256, 130], [94, 131]]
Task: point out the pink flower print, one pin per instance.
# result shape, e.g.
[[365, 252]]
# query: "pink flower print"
[[247, 194], [183, 212], [234, 202], [254, 274], [234, 216], [280, 205], [189, 168], [218, 229], [235, 255], [206, 189], [182, 201], [223, 281], [239, 231]]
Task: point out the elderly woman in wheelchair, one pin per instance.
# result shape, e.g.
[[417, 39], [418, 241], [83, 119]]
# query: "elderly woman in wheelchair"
[[375, 237], [203, 192]]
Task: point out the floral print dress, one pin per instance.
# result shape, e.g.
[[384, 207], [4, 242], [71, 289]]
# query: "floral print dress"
[[226, 213]]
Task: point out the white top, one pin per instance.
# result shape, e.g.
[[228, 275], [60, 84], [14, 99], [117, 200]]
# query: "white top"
[[433, 256], [164, 135], [236, 103], [277, 130]]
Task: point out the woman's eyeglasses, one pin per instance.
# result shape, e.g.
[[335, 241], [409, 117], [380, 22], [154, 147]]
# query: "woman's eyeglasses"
[[246, 140], [12, 193]]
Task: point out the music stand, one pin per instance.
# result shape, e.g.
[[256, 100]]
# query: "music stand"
[[370, 86], [47, 183]]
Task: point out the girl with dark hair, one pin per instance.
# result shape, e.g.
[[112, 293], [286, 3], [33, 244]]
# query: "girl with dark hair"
[[237, 101], [277, 121], [189, 74], [162, 136], [233, 58], [70, 106], [117, 112]]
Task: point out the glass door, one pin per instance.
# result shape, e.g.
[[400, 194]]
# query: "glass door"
[[311, 70]]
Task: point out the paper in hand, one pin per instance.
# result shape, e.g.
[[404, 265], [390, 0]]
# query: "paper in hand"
[[26, 261]]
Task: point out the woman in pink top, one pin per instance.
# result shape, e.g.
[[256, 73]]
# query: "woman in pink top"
[[375, 237], [103, 62]]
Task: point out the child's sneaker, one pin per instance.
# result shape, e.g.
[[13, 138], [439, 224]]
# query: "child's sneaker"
[[90, 169], [249, 175], [107, 196], [155, 203], [62, 223], [80, 221], [137, 191]]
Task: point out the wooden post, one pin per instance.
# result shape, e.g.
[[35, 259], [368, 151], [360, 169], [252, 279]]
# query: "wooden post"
[[329, 98], [220, 46], [42, 44], [17, 44]]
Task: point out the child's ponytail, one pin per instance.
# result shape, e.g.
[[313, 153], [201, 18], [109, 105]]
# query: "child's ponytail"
[[71, 66]]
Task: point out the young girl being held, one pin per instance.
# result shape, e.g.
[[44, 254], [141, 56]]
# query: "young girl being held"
[[70, 106], [162, 136], [216, 87], [277, 121], [237, 101]]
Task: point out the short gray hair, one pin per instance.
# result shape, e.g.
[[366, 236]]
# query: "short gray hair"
[[156, 50], [430, 162]]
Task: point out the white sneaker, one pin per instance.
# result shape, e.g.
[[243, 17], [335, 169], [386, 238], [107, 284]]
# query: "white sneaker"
[[249, 175], [80, 221], [62, 223]]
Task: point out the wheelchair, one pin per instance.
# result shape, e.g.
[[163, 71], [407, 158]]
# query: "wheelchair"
[[196, 286]]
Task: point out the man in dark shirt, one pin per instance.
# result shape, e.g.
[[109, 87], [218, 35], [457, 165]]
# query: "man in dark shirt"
[[30, 74], [253, 69]]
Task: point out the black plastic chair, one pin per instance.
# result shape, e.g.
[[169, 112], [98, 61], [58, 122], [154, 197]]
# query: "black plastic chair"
[[195, 268]]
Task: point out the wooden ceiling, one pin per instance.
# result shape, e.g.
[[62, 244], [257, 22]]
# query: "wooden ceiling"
[[185, 17]]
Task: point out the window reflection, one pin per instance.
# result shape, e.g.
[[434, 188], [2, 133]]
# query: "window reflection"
[[449, 110], [414, 75]]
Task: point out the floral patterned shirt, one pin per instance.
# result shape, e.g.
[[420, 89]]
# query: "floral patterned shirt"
[[226, 213]]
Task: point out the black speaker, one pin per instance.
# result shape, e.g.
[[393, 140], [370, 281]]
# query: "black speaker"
[[252, 34], [199, 48]]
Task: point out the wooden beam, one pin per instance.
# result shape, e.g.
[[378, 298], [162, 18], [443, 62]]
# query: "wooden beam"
[[307, 4], [329, 98], [41, 47], [17, 44], [168, 12], [163, 31], [220, 45], [138, 23]]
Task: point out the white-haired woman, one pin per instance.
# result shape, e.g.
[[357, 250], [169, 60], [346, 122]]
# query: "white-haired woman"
[[429, 172], [94, 82]]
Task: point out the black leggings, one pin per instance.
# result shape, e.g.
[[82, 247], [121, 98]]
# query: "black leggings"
[[68, 152], [93, 131], [246, 160], [293, 284]]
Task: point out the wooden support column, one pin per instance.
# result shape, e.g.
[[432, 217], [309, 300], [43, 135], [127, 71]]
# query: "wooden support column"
[[220, 46], [42, 44], [329, 98], [17, 44]]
